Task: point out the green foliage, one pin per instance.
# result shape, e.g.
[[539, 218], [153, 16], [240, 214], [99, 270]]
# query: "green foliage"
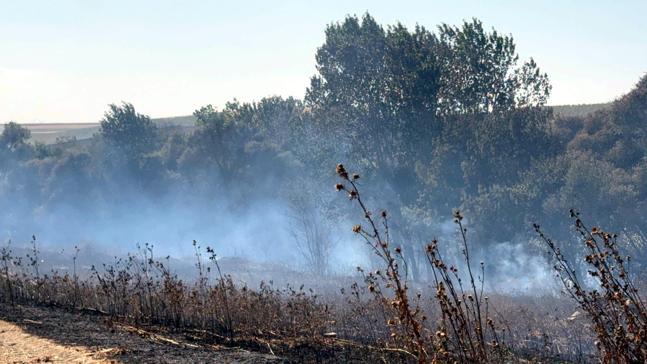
[[375, 88], [617, 133], [479, 72], [220, 139], [451, 111], [578, 111], [129, 132], [14, 136]]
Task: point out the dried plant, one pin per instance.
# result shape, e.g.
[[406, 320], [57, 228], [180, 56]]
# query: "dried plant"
[[614, 305], [7, 261], [465, 333], [141, 289]]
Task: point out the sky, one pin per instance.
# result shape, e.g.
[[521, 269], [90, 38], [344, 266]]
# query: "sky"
[[65, 61]]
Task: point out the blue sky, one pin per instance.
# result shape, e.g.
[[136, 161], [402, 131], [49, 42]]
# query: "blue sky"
[[64, 61]]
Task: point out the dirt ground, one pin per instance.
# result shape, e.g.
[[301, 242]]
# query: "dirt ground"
[[38, 335]]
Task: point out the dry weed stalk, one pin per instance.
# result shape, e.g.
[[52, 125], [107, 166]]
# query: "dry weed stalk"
[[465, 333], [615, 306]]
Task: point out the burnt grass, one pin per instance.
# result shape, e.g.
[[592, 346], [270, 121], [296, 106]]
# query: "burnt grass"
[[147, 343]]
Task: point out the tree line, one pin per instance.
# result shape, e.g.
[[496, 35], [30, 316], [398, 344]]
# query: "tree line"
[[441, 119]]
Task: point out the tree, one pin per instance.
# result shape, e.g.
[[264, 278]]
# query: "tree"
[[393, 97], [375, 87], [311, 233], [220, 139], [388, 93], [72, 181], [14, 136], [129, 132], [278, 120], [479, 72]]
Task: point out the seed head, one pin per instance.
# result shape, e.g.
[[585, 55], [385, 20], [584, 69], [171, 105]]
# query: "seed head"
[[341, 171]]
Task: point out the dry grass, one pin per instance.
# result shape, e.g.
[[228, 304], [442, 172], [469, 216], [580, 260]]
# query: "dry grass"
[[141, 291], [293, 323]]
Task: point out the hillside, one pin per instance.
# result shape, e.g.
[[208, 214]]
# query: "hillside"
[[579, 110]]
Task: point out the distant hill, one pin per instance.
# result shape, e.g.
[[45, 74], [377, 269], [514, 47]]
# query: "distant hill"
[[49, 133], [578, 110]]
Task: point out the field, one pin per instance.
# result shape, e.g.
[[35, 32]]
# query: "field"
[[429, 196], [268, 325], [49, 133], [136, 309]]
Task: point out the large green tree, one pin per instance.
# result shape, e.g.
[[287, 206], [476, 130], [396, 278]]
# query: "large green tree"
[[450, 111], [375, 87]]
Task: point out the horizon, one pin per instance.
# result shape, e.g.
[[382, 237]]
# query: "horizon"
[[66, 63], [167, 118]]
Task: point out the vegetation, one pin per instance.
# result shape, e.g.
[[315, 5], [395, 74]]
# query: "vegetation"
[[439, 121], [461, 332], [388, 317], [580, 110], [394, 101], [618, 312]]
